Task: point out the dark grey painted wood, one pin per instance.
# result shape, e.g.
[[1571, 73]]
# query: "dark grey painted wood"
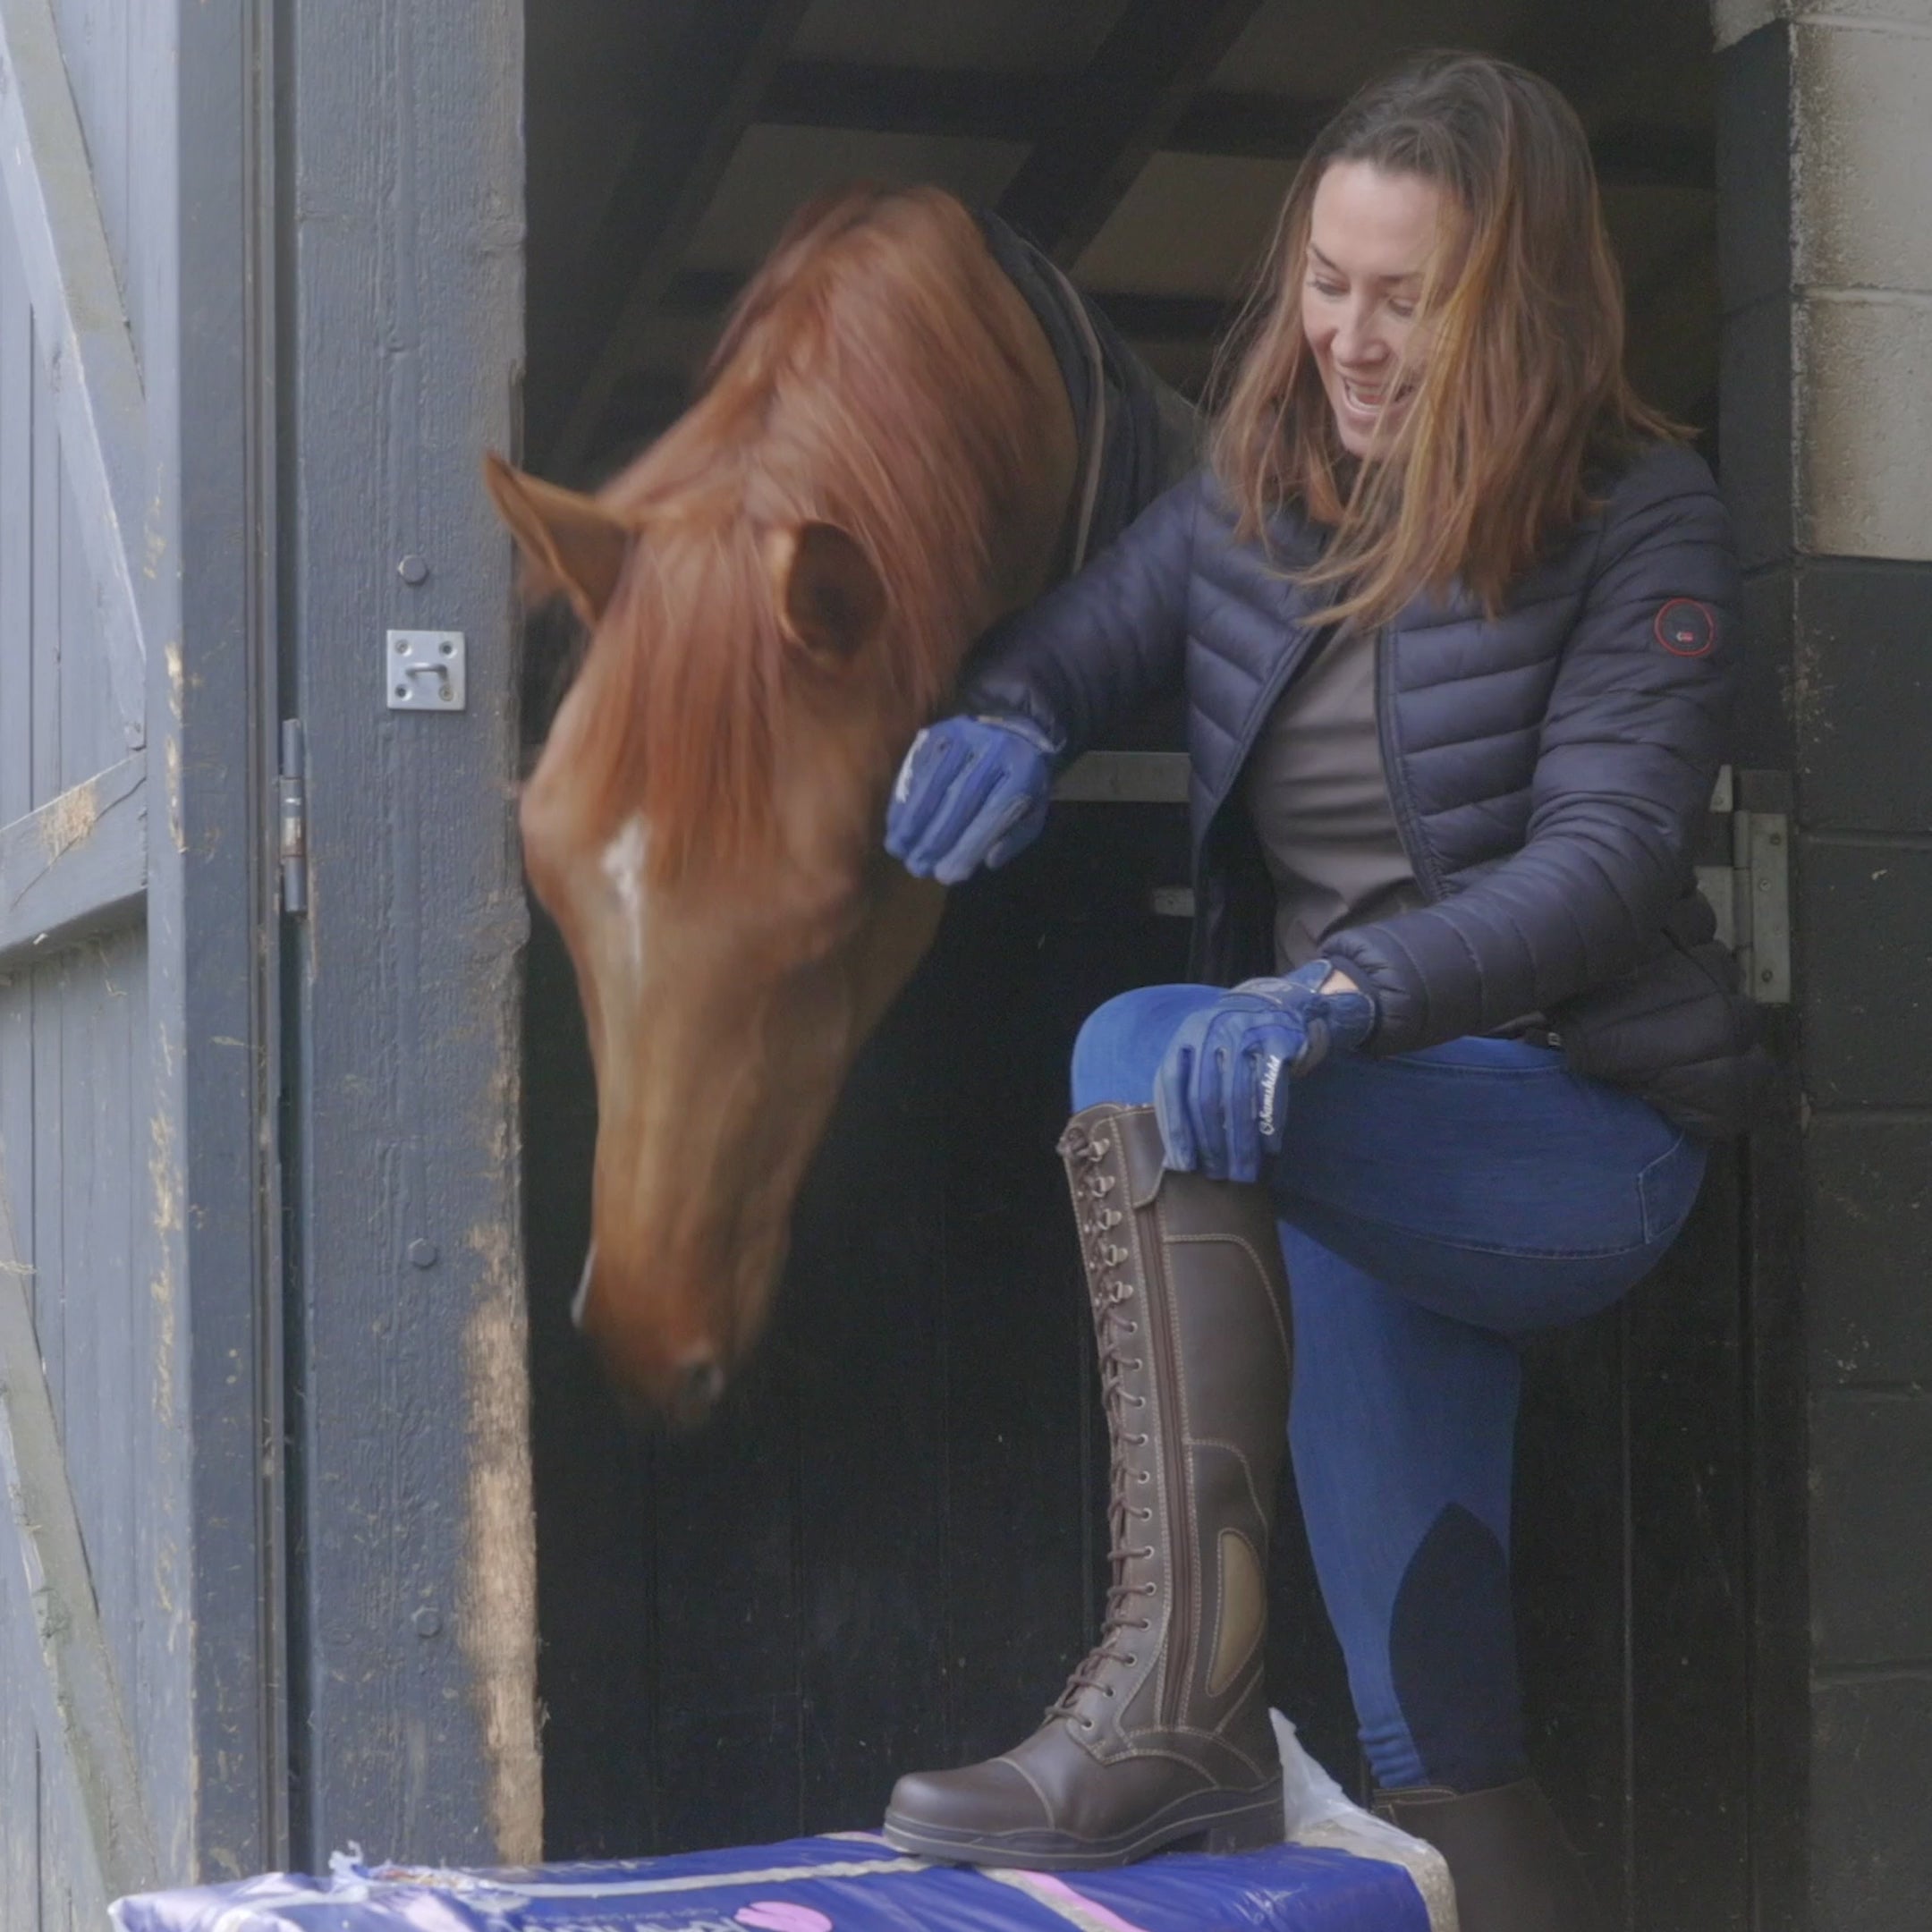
[[74, 1043], [413, 1717], [76, 867], [1865, 710], [1872, 1870], [134, 1148], [74, 1692], [19, 1876], [70, 272], [73, 1116], [212, 1540], [17, 398], [1868, 1023], [111, 45], [19, 1771], [1871, 1482], [1869, 1225]]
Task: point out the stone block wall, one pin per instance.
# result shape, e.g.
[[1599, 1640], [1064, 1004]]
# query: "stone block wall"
[[1826, 154]]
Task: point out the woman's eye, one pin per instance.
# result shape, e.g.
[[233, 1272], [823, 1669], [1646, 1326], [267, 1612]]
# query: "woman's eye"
[[1327, 288], [1402, 309]]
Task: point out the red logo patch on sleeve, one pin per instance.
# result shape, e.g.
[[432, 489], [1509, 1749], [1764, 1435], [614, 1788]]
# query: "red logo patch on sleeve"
[[1686, 628]]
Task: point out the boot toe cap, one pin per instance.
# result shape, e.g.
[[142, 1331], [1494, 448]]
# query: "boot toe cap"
[[984, 1800]]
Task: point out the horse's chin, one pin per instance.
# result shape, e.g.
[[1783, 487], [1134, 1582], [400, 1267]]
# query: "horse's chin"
[[678, 1396], [661, 1369]]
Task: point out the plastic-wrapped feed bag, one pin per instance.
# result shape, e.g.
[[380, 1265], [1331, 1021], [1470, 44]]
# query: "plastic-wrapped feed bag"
[[812, 1884], [1347, 1873]]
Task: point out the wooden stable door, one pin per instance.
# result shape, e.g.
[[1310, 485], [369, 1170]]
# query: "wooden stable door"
[[888, 1550]]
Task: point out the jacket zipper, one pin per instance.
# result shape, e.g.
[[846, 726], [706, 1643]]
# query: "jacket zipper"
[[1421, 860], [1291, 662]]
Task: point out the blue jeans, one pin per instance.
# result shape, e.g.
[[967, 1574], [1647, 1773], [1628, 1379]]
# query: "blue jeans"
[[1433, 1207]]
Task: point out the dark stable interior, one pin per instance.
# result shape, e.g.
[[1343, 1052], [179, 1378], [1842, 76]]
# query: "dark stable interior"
[[888, 1549]]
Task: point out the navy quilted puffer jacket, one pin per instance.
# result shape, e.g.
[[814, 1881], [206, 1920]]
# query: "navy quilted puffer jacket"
[[1548, 769]]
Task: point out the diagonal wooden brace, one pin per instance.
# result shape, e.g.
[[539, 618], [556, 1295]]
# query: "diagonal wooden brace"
[[81, 321], [76, 1700]]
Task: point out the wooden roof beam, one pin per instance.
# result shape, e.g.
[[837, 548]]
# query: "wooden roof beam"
[[709, 292], [957, 104], [711, 86], [1115, 114], [951, 102]]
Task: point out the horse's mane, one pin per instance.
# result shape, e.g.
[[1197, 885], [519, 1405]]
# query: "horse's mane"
[[871, 375]]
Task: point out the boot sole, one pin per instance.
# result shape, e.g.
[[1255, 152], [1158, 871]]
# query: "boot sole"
[[1217, 1823]]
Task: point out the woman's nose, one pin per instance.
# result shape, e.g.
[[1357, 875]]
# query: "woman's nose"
[[1356, 341]]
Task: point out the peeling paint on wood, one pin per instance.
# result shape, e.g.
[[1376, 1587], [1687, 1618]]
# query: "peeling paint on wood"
[[77, 867], [497, 1615], [68, 819]]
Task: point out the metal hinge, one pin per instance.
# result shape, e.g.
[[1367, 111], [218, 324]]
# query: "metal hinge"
[[1752, 896], [292, 818]]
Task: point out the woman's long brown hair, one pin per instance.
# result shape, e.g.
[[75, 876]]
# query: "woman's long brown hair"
[[1521, 396]]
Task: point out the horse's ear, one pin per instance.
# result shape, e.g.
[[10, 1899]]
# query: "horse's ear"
[[830, 596], [569, 542]]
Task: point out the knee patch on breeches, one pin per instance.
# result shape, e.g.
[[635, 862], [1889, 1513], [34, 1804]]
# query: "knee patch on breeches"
[[1452, 1655]]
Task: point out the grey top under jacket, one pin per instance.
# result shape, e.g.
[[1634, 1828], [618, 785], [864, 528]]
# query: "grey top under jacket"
[[1319, 800], [1550, 767]]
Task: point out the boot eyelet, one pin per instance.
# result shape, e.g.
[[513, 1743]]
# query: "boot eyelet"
[[1142, 1476]]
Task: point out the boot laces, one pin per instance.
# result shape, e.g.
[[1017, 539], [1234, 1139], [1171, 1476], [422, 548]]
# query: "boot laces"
[[1115, 1325]]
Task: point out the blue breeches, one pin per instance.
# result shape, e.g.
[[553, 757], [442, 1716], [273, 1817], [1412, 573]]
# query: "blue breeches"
[[1433, 1207]]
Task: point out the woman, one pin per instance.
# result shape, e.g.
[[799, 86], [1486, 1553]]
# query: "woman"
[[1453, 611]]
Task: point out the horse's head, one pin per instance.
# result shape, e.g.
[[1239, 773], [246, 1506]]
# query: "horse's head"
[[704, 827], [778, 592]]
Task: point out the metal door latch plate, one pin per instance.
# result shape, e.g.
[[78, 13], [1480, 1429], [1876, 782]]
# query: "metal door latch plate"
[[423, 670]]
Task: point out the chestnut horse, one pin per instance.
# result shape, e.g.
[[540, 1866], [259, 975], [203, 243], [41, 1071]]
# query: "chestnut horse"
[[779, 593]]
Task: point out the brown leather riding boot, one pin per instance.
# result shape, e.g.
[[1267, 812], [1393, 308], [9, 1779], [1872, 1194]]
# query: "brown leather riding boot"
[[1161, 1734], [1514, 1869]]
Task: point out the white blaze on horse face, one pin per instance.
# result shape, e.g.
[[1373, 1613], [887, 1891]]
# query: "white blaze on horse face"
[[623, 866], [583, 1288]]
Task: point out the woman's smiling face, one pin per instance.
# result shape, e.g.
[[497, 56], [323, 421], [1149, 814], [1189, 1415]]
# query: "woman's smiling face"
[[1372, 236]]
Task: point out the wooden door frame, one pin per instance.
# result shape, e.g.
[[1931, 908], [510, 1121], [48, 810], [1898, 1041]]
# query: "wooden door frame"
[[412, 1644]]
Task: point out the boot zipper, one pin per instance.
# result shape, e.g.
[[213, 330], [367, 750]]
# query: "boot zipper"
[[1183, 1583]]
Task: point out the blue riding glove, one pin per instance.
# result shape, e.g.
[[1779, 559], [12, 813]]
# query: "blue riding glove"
[[1221, 1095], [971, 792]]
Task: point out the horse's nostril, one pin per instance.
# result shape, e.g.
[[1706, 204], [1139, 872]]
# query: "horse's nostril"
[[703, 1383], [583, 1289]]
